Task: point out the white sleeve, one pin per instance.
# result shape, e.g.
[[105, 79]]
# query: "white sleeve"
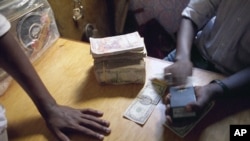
[[4, 25], [201, 11]]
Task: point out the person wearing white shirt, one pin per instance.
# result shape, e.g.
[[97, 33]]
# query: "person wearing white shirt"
[[223, 43]]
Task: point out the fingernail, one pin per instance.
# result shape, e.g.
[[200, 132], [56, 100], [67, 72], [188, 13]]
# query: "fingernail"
[[107, 130], [99, 112], [106, 122], [101, 137]]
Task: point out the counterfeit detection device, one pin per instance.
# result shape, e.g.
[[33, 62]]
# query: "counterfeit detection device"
[[180, 97]]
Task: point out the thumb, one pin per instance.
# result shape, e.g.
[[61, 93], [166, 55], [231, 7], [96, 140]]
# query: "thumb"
[[192, 107]]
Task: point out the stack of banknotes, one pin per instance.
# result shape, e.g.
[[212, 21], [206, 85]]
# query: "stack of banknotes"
[[119, 59]]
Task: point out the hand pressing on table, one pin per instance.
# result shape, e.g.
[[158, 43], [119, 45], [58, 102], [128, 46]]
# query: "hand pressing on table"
[[60, 119]]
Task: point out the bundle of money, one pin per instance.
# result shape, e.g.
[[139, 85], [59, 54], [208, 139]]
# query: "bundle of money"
[[119, 59]]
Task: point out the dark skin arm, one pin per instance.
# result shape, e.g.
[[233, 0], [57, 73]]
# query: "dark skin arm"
[[238, 83], [185, 39], [58, 118], [184, 44]]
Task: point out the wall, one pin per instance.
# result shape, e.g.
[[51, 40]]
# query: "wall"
[[95, 12]]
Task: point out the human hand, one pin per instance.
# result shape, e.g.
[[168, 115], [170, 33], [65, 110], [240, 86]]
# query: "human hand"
[[204, 94], [62, 119], [180, 70]]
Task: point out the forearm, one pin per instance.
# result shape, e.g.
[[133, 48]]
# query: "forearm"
[[16, 63], [185, 39], [237, 84], [239, 81]]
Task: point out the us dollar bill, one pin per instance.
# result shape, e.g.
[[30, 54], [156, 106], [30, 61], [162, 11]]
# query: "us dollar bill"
[[149, 96], [140, 110]]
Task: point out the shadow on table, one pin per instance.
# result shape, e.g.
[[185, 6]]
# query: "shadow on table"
[[37, 127], [91, 89], [27, 128]]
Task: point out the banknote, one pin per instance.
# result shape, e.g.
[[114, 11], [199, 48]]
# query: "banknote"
[[153, 90], [116, 44], [140, 110], [142, 107], [123, 76], [120, 72], [159, 85], [129, 55], [119, 59]]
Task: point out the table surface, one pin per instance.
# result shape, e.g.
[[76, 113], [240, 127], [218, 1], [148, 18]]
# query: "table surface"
[[66, 68]]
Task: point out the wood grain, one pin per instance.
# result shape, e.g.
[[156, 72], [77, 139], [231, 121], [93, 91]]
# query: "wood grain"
[[66, 68]]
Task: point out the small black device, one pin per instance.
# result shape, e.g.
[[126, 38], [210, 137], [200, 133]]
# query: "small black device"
[[180, 97]]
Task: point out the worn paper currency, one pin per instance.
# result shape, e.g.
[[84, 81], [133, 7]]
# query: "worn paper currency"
[[129, 55], [119, 59], [142, 107], [159, 86], [120, 72], [116, 44], [154, 91], [140, 110]]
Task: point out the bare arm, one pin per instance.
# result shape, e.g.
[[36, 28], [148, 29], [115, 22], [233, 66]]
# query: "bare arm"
[[237, 84], [185, 39], [15, 62], [59, 118]]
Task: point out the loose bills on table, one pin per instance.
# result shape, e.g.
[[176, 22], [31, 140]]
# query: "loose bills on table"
[[143, 105]]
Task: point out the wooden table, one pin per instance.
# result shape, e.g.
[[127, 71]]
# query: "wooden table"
[[66, 68]]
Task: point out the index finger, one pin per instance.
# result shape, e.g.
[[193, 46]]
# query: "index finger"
[[167, 99], [92, 112]]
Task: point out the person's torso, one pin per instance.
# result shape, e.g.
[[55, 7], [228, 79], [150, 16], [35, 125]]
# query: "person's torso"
[[227, 43]]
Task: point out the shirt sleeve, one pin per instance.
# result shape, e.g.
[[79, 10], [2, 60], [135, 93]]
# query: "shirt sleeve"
[[4, 25], [201, 11]]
